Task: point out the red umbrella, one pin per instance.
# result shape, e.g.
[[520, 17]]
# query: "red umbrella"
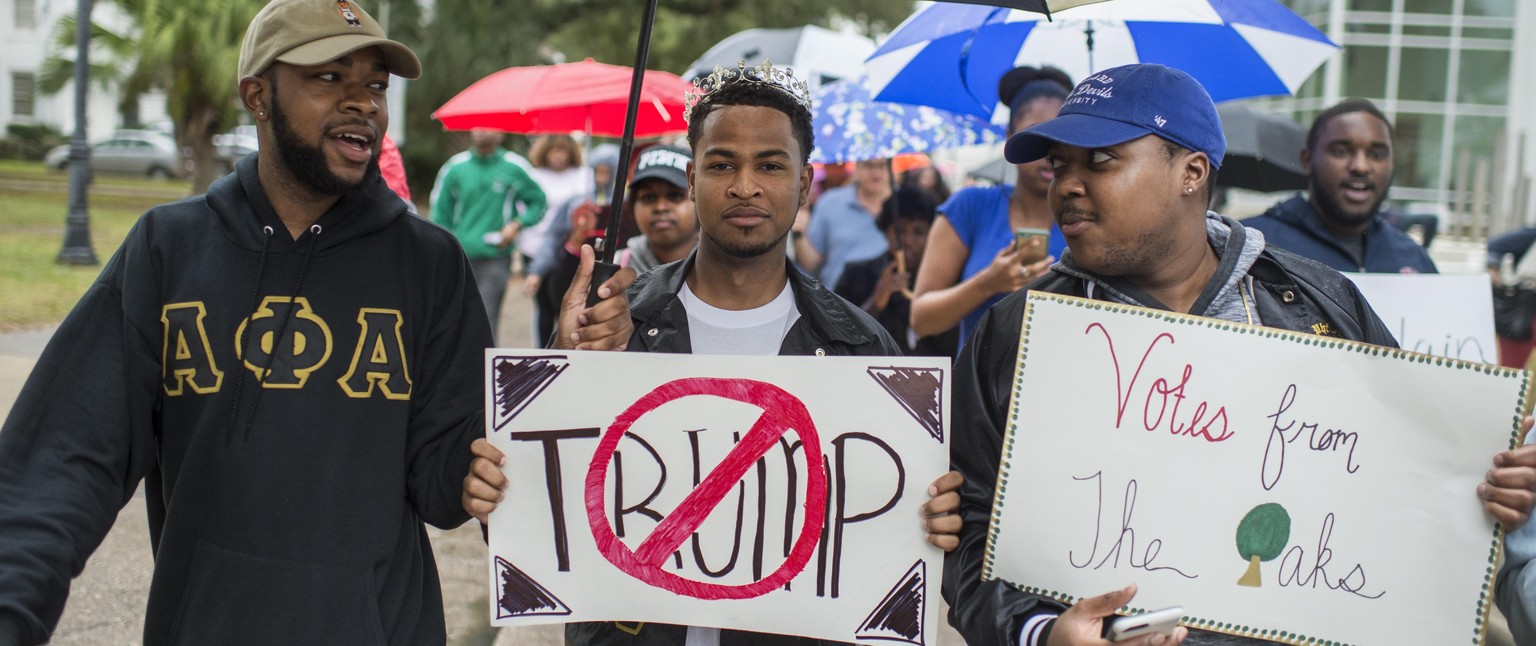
[[586, 96]]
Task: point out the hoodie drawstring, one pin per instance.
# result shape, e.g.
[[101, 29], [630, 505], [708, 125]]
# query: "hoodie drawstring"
[[266, 370], [261, 268]]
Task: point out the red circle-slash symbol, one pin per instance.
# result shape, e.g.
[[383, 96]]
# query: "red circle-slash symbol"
[[781, 413]]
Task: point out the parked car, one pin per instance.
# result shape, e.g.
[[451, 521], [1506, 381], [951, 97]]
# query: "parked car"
[[233, 145], [134, 152]]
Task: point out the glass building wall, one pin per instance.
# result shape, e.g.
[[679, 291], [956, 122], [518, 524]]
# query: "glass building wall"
[[1440, 69]]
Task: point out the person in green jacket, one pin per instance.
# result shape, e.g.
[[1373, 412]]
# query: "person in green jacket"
[[485, 195]]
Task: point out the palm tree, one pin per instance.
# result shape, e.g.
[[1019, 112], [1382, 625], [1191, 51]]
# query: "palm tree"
[[190, 48]]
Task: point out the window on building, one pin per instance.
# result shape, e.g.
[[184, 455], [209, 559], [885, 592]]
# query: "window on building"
[[25, 14], [1495, 8], [1371, 5], [1483, 77], [23, 94], [1309, 8], [1418, 143], [1435, 7], [1423, 75], [1364, 71], [1476, 136]]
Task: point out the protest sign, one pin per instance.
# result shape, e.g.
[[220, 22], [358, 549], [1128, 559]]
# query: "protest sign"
[[1291, 487], [674, 488], [1448, 315]]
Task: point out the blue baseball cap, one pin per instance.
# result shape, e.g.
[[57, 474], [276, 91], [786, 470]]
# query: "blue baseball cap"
[[1124, 103]]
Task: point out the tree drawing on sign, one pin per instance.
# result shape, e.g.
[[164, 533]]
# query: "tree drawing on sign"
[[1261, 536]]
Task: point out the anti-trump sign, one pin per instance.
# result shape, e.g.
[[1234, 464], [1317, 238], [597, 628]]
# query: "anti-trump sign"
[[765, 494]]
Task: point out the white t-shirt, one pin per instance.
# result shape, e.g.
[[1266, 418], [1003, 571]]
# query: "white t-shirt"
[[758, 331]]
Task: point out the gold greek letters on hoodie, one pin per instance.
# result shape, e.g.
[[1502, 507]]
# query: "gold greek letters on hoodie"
[[378, 364], [186, 358], [379, 359]]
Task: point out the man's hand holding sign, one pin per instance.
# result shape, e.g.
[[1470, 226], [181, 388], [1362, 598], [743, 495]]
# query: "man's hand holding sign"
[[1280, 483], [782, 490], [1274, 504]]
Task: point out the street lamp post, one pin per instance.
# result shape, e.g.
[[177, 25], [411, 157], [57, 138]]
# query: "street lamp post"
[[77, 224]]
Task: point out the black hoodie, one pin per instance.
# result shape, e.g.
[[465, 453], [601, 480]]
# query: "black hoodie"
[[288, 514]]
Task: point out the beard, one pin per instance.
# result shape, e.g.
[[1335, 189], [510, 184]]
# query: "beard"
[[1331, 210], [308, 165], [748, 251]]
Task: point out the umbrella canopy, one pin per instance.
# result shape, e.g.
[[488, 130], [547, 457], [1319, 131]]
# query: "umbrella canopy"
[[815, 54], [1037, 6], [586, 96], [997, 171], [1263, 150], [1263, 153], [849, 126], [951, 56]]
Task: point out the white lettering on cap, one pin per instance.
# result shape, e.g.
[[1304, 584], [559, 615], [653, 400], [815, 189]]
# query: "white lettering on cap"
[[671, 158], [1160, 120]]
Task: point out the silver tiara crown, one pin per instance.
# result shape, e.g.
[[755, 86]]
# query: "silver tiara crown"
[[781, 79]]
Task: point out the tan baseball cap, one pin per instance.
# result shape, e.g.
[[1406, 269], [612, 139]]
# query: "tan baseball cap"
[[311, 32]]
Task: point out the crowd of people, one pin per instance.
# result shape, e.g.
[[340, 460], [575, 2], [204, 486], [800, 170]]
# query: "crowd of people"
[[279, 472]]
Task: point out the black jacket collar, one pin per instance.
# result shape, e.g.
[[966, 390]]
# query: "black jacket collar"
[[661, 324]]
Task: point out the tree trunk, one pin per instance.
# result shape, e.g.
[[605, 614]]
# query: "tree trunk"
[[205, 163], [1252, 578]]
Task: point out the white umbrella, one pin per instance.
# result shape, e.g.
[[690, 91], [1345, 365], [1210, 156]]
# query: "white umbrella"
[[817, 55]]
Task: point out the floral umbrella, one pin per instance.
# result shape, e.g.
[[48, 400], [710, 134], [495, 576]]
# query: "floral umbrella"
[[850, 126]]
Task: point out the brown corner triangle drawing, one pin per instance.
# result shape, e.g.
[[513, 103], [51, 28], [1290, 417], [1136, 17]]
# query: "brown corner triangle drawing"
[[900, 615], [517, 381], [919, 391], [518, 595]]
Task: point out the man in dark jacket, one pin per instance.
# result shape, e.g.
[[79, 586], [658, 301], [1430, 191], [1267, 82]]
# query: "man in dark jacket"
[[737, 293], [1134, 150], [1349, 167], [296, 398]]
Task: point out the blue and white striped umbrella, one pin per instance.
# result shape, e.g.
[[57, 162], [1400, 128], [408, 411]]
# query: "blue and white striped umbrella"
[[850, 126], [951, 56]]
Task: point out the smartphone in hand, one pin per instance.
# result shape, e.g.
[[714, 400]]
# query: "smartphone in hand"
[[1161, 622], [1032, 242]]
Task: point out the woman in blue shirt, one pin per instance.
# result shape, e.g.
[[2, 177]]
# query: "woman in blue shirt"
[[971, 260]]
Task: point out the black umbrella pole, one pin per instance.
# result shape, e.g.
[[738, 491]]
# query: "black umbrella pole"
[[605, 268]]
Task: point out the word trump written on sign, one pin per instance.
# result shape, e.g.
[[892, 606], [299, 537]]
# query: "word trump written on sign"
[[766, 494], [1286, 486]]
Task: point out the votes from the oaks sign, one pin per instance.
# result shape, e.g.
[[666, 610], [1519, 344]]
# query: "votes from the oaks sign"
[[1293, 487], [769, 494]]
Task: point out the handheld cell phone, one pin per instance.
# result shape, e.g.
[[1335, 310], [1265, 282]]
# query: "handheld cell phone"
[[1161, 622], [1033, 242]]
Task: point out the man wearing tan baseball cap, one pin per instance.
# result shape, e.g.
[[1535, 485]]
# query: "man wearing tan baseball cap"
[[290, 364], [310, 32]]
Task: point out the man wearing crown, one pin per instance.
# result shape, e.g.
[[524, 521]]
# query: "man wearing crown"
[[749, 129]]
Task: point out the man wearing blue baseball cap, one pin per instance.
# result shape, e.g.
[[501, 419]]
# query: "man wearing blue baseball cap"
[[1135, 150]]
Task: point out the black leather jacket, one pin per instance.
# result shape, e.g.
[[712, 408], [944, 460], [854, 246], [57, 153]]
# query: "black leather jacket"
[[828, 325], [1291, 293]]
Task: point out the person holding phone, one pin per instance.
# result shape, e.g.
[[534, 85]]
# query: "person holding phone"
[[1135, 151], [975, 255]]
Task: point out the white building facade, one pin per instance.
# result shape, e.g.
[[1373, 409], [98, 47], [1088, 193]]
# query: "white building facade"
[[26, 40]]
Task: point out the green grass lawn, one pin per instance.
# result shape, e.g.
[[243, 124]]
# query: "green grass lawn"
[[35, 290]]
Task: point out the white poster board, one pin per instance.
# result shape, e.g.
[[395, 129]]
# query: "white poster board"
[[673, 488], [1447, 315], [1285, 486]]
